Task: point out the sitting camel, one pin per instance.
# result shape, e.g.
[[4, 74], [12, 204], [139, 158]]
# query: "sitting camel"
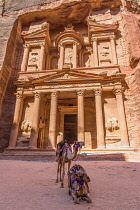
[[78, 184], [65, 154]]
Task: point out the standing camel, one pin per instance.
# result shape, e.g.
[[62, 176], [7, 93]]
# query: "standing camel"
[[65, 155]]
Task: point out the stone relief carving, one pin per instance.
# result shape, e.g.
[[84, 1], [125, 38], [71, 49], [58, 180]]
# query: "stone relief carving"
[[87, 63], [112, 124], [104, 52], [34, 58], [26, 128], [41, 133], [115, 72], [86, 58], [68, 57], [103, 73]]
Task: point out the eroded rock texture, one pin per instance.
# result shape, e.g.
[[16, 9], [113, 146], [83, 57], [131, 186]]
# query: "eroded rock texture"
[[16, 17]]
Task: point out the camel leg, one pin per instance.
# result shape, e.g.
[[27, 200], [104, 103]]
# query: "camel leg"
[[76, 200], [69, 164], [60, 172], [63, 174], [57, 171], [87, 198]]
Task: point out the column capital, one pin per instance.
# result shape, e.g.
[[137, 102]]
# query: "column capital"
[[19, 95], [26, 46], [75, 43], [54, 94], [80, 92], [94, 39], [112, 37], [37, 94], [98, 91], [60, 44], [42, 44], [118, 91]]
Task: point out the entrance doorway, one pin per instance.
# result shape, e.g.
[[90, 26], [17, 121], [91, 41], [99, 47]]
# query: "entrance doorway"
[[70, 128]]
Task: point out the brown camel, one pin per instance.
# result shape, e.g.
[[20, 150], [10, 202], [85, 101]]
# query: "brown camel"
[[65, 155], [78, 184]]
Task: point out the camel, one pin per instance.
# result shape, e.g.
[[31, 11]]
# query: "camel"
[[65, 155], [78, 184]]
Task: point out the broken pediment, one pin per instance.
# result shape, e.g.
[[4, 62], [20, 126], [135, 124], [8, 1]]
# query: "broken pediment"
[[37, 35], [96, 28]]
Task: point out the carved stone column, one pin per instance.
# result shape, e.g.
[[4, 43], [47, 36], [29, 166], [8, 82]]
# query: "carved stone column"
[[25, 58], [53, 118], [95, 51], [42, 51], [35, 122], [113, 50], [99, 119], [61, 133], [61, 58], [122, 119], [48, 61], [74, 57], [81, 129], [15, 126]]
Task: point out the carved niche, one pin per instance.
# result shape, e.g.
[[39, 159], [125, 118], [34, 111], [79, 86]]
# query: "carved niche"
[[54, 62], [112, 124], [26, 128], [33, 62], [112, 135], [104, 53], [86, 59], [69, 43]]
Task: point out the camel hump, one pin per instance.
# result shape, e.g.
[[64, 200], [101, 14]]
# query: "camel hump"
[[60, 147], [60, 144]]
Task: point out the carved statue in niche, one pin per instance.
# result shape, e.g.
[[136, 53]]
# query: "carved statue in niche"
[[112, 124], [115, 72], [104, 52], [26, 128], [68, 57], [87, 60], [34, 58], [41, 133]]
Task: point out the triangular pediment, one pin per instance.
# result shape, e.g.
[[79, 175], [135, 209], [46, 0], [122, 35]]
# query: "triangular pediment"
[[69, 75]]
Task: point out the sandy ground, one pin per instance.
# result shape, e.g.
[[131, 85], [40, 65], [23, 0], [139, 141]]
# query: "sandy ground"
[[30, 185]]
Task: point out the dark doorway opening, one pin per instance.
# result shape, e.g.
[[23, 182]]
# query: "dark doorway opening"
[[70, 128]]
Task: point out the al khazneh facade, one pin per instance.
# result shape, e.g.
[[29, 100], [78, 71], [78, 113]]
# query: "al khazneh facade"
[[70, 85]]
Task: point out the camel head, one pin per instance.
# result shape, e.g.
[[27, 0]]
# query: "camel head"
[[77, 145]]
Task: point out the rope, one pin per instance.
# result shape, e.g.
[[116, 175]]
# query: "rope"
[[77, 155]]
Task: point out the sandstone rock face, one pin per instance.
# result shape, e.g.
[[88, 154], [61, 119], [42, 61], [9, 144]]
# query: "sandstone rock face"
[[20, 18]]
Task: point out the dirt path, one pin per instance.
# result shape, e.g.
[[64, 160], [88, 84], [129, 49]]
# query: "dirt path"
[[30, 185]]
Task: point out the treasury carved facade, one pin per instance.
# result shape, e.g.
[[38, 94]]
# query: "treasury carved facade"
[[70, 84]]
